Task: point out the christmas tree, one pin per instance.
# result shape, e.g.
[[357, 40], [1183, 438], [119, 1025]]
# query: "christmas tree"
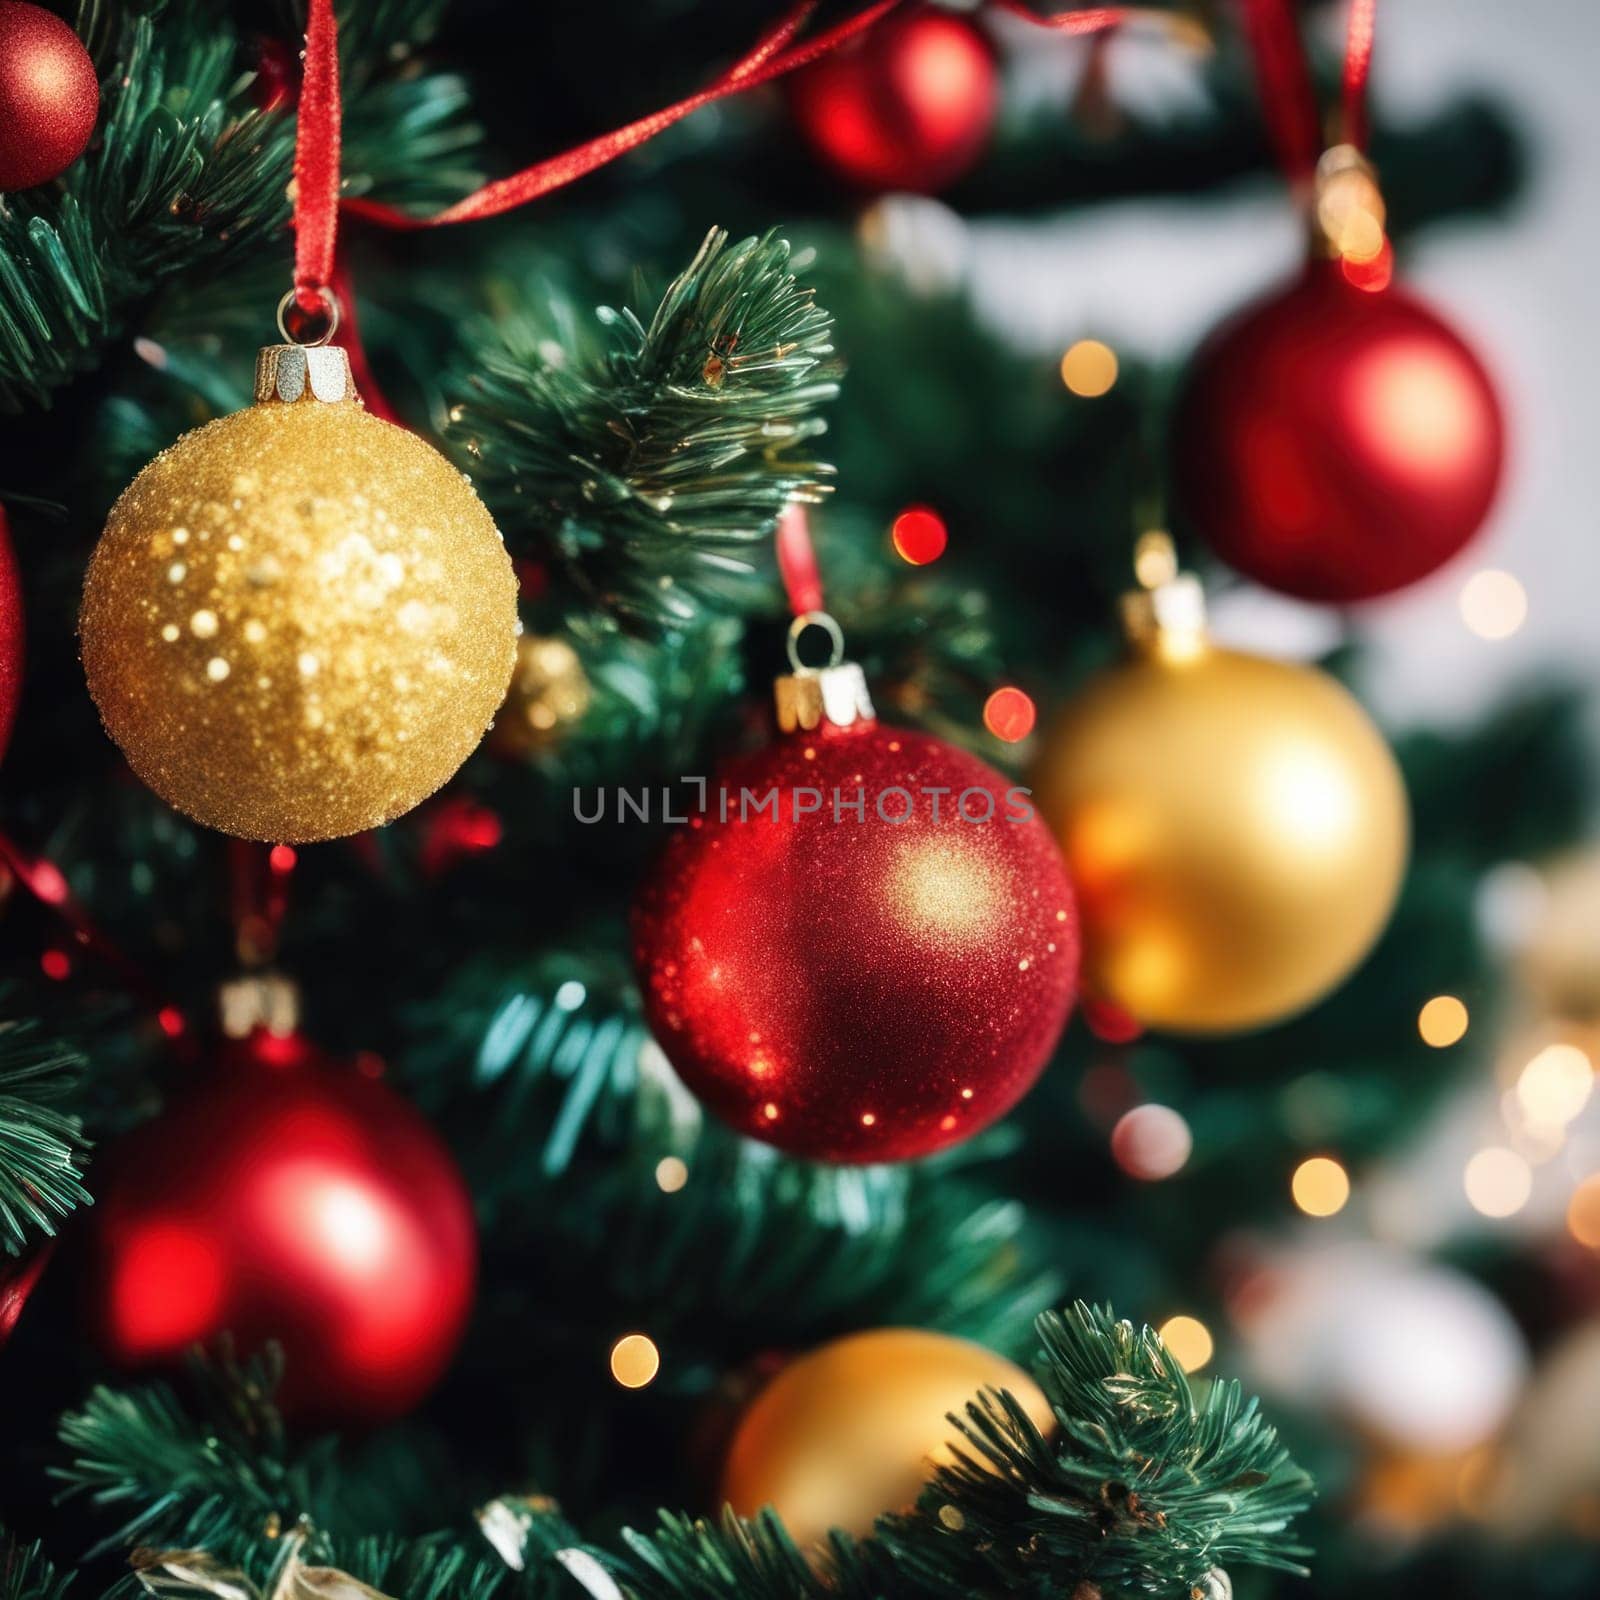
[[489, 1104]]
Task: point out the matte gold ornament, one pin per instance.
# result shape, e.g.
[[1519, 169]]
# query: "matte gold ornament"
[[549, 692], [857, 1427], [1236, 827], [300, 619]]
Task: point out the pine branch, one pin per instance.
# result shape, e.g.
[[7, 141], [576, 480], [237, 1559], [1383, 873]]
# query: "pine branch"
[[1143, 1491], [215, 1475], [26, 1573], [650, 464], [183, 171], [41, 1144], [187, 174]]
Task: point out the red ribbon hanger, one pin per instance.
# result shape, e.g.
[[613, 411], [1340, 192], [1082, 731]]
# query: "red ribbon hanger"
[[1288, 99], [317, 200]]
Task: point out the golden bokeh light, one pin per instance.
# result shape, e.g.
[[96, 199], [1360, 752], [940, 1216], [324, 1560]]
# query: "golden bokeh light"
[[1583, 1212], [635, 1360], [1089, 368], [1555, 1086], [671, 1174], [1443, 1021], [1189, 1339], [1155, 559], [1493, 604], [1320, 1186], [1498, 1182]]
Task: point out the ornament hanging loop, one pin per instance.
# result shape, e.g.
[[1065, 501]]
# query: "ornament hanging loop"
[[815, 619], [330, 312]]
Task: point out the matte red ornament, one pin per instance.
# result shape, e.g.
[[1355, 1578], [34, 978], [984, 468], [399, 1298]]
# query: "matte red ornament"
[[292, 1201], [859, 988], [49, 96], [10, 635], [907, 106], [1337, 442]]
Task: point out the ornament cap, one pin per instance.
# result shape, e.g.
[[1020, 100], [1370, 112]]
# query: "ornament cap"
[[259, 1000], [294, 372], [810, 696], [1347, 210], [1169, 613]]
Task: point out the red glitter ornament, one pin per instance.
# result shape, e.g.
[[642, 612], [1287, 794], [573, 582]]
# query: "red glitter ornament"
[[10, 636], [49, 96], [907, 106], [1335, 441], [865, 947], [294, 1202]]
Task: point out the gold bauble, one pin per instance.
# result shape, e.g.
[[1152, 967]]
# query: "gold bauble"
[[549, 692], [856, 1428], [1560, 965], [1236, 828], [300, 619]]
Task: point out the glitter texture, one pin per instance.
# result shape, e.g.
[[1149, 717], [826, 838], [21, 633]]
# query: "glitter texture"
[[859, 990], [299, 621]]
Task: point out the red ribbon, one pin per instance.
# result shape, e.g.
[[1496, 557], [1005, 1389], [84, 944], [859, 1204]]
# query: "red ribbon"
[[797, 560], [316, 161], [1288, 100], [317, 138], [1357, 70]]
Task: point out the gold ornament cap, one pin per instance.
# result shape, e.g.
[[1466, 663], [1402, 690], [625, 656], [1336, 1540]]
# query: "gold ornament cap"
[[295, 372], [258, 1000], [1175, 609], [835, 693]]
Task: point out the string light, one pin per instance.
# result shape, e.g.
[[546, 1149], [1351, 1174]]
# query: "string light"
[[1151, 1142], [1089, 368], [635, 1360], [1320, 1186], [1583, 1212], [919, 535], [671, 1174], [1493, 604], [1009, 714], [1155, 559], [1189, 1340], [1498, 1182], [1443, 1021]]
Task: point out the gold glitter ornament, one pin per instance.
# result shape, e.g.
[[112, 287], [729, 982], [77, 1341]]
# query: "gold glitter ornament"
[[549, 692], [300, 619]]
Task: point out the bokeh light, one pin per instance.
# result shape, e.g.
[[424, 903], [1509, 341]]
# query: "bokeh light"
[[671, 1174], [1009, 714], [1493, 604], [1189, 1339], [1583, 1212], [1555, 1086], [1443, 1021], [1151, 1142], [1320, 1186], [919, 535], [1089, 368], [1498, 1182], [635, 1360]]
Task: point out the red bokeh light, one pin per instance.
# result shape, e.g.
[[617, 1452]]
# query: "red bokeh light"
[[919, 535], [1009, 714], [56, 964]]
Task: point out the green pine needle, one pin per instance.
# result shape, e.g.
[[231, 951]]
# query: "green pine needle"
[[41, 1143], [650, 464], [26, 1573]]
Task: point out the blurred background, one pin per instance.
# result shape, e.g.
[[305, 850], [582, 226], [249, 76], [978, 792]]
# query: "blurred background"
[[1382, 1212]]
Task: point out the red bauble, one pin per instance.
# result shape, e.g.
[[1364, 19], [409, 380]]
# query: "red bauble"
[[49, 96], [908, 105], [1335, 442], [859, 989], [294, 1202], [10, 636]]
